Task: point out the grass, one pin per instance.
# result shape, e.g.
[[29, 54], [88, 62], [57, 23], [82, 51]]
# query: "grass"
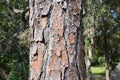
[[98, 70]]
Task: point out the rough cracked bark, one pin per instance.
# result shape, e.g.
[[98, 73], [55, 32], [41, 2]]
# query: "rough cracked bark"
[[57, 48]]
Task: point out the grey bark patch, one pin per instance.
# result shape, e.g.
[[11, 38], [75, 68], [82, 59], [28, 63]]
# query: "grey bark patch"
[[38, 34], [46, 35], [33, 51], [64, 4], [45, 8]]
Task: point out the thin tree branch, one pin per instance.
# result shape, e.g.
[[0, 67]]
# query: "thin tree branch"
[[4, 75]]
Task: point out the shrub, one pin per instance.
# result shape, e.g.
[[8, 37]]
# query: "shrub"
[[101, 61]]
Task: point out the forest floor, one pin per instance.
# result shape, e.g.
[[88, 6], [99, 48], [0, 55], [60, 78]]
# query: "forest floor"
[[98, 77]]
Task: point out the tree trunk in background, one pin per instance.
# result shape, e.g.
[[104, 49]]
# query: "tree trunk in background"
[[90, 59], [90, 34], [57, 44], [3, 74], [107, 72]]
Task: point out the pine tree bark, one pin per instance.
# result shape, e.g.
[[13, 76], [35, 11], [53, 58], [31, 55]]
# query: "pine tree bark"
[[57, 43]]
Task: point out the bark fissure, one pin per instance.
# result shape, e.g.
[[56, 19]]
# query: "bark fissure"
[[64, 36], [77, 61]]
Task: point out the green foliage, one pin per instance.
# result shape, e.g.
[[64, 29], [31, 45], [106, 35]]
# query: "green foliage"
[[13, 47], [101, 61], [19, 72], [13, 76], [87, 41]]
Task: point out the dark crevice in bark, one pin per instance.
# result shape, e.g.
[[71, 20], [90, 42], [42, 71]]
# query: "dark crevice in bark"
[[77, 70], [33, 32], [36, 54], [43, 38], [76, 59], [64, 29], [61, 76], [44, 16], [33, 3], [49, 15], [24, 16], [64, 10], [40, 75], [65, 70]]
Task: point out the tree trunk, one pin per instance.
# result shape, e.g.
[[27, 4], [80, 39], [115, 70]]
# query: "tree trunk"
[[107, 73], [3, 74], [90, 34], [57, 47], [90, 59]]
